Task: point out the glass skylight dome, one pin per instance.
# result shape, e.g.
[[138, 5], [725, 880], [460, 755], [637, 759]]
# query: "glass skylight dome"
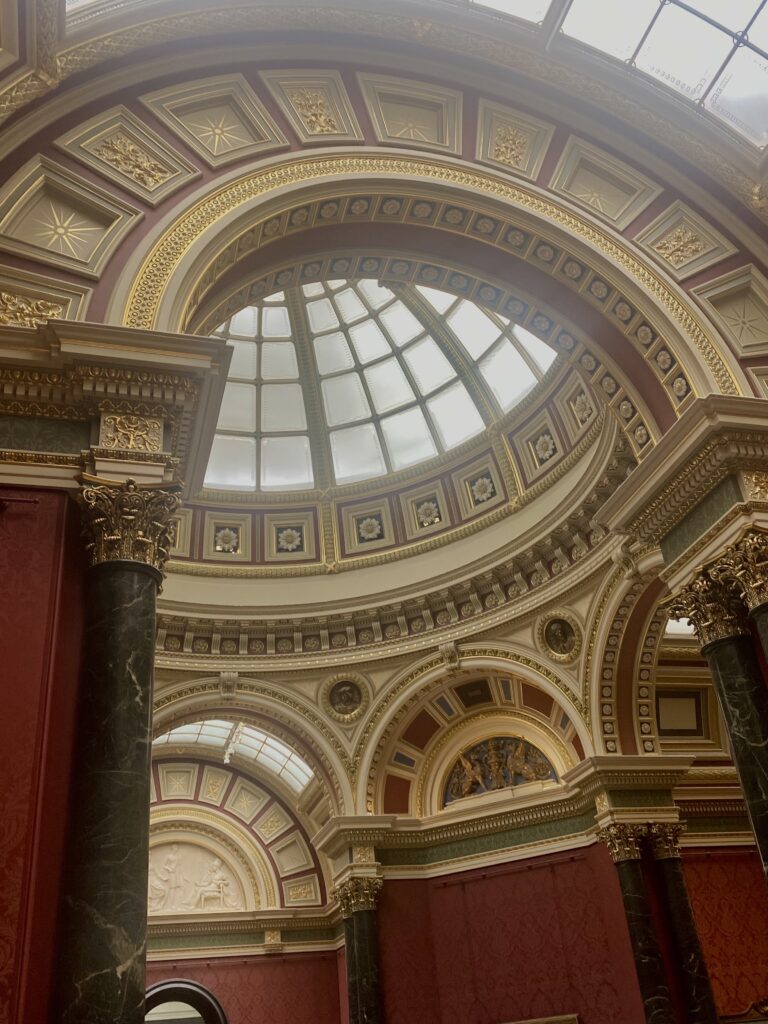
[[229, 738], [352, 377]]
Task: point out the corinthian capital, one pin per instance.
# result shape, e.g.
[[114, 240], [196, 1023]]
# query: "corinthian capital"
[[623, 840], [357, 893], [665, 839], [745, 566], [712, 606], [126, 522]]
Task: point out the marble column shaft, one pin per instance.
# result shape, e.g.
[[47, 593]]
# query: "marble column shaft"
[[760, 618], [697, 990], [654, 990], [366, 961], [743, 696], [104, 898]]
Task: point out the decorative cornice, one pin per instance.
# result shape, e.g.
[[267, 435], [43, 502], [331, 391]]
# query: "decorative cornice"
[[127, 522], [665, 839], [623, 840], [357, 893]]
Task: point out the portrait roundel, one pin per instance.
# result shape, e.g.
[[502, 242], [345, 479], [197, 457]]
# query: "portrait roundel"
[[560, 637], [345, 697]]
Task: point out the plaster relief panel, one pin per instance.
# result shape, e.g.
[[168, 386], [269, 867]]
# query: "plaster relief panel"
[[291, 855], [509, 139], [53, 216], [27, 300], [272, 824], [683, 242], [177, 782], [187, 878], [606, 186], [739, 304], [316, 104], [246, 800], [221, 118], [213, 785], [302, 892], [408, 113], [121, 147]]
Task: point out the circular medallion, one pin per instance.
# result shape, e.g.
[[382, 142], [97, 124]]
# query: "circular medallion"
[[345, 697], [559, 635]]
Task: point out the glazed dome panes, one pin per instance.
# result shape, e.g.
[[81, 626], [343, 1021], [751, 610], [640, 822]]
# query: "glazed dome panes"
[[712, 52], [261, 437], [245, 740], [387, 372]]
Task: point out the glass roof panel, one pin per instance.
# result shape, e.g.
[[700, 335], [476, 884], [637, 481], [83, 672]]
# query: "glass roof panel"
[[357, 453], [537, 349], [322, 316], [238, 408], [313, 290], [244, 360], [245, 324], [232, 463], [349, 305], [740, 95], [687, 68], [369, 341], [408, 438], [286, 463], [474, 328], [401, 323], [455, 415], [440, 300], [278, 361], [733, 15], [376, 295], [615, 28], [388, 386], [508, 375], [429, 366], [758, 30], [275, 322], [345, 400], [282, 407], [333, 353]]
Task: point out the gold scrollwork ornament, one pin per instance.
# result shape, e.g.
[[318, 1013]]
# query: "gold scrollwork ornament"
[[131, 433], [126, 522]]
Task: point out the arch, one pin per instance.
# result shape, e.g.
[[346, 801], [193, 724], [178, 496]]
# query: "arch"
[[293, 720], [179, 990], [173, 259], [422, 679]]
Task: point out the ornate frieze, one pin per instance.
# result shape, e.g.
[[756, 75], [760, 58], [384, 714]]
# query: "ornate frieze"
[[24, 311], [127, 523], [131, 433], [712, 607], [357, 894], [623, 840]]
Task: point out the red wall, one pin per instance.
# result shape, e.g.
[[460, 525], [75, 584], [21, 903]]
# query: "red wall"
[[730, 903], [41, 576], [296, 988], [530, 939]]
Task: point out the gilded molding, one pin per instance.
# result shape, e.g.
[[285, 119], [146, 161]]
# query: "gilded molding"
[[623, 840], [154, 276], [131, 433], [24, 311], [127, 523], [713, 608], [665, 839], [356, 894], [744, 566]]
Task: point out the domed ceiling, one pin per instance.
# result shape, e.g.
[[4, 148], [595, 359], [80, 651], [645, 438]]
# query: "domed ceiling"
[[388, 369]]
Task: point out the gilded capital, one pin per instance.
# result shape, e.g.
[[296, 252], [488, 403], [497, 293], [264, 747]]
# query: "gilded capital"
[[623, 840], [744, 566], [665, 839], [127, 522], [712, 606], [357, 893]]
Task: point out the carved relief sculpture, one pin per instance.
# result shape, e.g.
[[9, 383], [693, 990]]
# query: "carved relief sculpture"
[[497, 763]]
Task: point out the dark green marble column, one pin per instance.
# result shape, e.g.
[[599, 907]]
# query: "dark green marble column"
[[357, 897], [696, 986], [714, 604], [101, 960], [623, 842]]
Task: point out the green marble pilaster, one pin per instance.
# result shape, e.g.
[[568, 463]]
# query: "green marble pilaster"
[[357, 897]]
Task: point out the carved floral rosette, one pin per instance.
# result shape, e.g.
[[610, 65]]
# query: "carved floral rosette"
[[129, 523]]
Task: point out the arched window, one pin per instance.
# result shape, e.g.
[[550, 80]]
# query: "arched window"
[[182, 1002]]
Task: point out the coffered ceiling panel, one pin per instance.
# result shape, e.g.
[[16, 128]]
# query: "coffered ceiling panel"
[[409, 113], [316, 103]]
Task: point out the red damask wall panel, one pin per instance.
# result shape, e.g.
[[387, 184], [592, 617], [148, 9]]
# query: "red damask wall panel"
[[41, 601], [531, 939], [297, 988], [730, 903]]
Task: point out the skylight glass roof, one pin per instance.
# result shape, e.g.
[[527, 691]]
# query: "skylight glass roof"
[[712, 52], [352, 375], [230, 738]]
